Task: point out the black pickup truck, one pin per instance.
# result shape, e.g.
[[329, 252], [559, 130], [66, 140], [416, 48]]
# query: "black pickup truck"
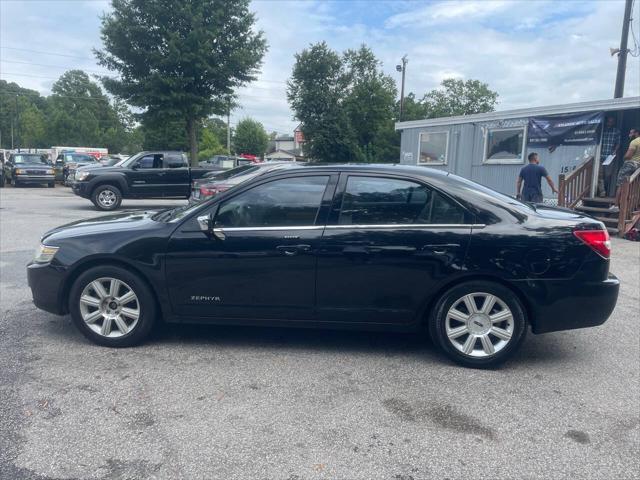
[[157, 174]]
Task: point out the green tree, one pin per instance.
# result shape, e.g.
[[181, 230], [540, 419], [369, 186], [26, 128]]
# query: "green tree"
[[210, 145], [250, 137], [178, 57], [345, 103], [15, 101], [79, 113], [32, 126], [453, 97]]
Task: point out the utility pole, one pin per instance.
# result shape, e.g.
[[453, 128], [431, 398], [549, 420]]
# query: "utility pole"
[[17, 124], [229, 126], [622, 54], [402, 68]]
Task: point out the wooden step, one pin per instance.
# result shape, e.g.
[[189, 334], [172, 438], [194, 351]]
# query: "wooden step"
[[610, 221], [609, 200], [597, 210]]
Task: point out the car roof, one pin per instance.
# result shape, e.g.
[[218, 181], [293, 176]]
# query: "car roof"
[[371, 167]]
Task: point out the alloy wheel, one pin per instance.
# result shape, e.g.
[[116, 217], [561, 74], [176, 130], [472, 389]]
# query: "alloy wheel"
[[479, 324], [109, 307], [107, 198]]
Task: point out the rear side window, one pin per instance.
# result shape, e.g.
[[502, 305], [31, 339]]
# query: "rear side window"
[[289, 202], [175, 160], [390, 201]]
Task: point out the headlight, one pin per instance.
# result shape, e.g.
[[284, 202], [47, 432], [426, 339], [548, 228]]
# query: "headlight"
[[80, 176], [19, 171], [45, 253], [50, 172]]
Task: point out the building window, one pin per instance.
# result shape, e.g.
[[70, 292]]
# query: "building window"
[[433, 148], [504, 145]]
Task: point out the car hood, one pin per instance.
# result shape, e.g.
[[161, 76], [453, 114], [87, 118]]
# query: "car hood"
[[127, 220], [90, 166]]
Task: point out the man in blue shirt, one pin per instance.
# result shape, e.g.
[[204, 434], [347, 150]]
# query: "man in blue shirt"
[[532, 176]]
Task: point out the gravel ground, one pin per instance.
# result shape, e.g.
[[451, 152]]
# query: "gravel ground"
[[230, 402]]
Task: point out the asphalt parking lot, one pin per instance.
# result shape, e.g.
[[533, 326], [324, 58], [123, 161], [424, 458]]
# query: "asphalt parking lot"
[[230, 402]]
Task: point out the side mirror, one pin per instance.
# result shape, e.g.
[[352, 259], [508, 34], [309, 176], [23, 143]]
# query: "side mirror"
[[207, 225], [135, 166]]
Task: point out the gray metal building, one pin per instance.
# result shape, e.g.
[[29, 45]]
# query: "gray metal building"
[[466, 145]]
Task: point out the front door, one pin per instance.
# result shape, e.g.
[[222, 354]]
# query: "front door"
[[265, 266], [147, 176], [388, 244]]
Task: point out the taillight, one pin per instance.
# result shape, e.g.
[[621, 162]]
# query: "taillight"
[[210, 190], [598, 240]]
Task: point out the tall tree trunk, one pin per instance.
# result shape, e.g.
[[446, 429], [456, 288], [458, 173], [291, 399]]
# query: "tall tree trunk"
[[193, 141]]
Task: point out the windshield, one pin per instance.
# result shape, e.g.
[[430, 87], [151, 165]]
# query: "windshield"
[[26, 158]]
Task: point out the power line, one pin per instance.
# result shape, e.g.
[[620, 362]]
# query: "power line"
[[53, 66], [47, 53], [92, 59]]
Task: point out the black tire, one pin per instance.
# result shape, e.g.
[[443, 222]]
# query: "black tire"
[[98, 199], [51, 184], [439, 318], [145, 302]]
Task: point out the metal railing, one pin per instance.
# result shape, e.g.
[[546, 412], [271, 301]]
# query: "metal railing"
[[574, 187], [629, 203]]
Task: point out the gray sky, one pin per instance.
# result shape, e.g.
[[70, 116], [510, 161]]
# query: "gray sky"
[[533, 52]]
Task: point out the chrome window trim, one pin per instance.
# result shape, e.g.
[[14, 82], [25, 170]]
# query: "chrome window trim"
[[405, 226], [269, 229], [333, 227]]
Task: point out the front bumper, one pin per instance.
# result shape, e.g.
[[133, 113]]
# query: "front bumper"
[[80, 188], [46, 284], [569, 304], [27, 178]]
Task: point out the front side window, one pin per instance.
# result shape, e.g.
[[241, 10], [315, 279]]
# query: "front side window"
[[504, 145], [150, 161], [433, 148], [289, 202], [387, 201]]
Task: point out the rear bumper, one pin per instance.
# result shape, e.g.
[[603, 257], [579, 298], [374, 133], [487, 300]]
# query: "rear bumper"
[[46, 283], [569, 304]]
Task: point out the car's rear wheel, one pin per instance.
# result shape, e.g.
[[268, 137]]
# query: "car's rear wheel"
[[106, 197], [479, 324], [112, 307]]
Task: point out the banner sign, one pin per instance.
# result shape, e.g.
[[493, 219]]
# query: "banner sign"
[[572, 129]]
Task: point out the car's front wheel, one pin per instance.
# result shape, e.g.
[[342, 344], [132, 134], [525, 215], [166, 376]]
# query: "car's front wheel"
[[106, 197], [479, 324], [112, 307]]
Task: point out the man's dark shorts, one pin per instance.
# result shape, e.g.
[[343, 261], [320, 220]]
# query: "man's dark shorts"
[[532, 196], [628, 168]]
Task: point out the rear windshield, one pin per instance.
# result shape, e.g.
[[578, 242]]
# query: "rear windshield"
[[493, 193], [26, 158], [243, 170]]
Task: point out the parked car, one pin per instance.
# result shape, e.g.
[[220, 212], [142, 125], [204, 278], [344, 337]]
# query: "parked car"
[[156, 174], [28, 168], [354, 246], [215, 182], [67, 163], [225, 162]]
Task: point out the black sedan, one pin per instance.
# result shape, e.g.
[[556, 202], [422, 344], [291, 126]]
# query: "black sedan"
[[359, 247]]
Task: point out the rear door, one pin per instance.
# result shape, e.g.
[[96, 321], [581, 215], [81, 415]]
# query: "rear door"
[[390, 242], [176, 178]]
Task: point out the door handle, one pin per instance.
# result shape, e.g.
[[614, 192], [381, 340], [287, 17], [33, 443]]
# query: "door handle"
[[440, 248], [291, 250]]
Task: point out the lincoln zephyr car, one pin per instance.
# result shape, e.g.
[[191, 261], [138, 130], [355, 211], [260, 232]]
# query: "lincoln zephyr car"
[[359, 247]]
